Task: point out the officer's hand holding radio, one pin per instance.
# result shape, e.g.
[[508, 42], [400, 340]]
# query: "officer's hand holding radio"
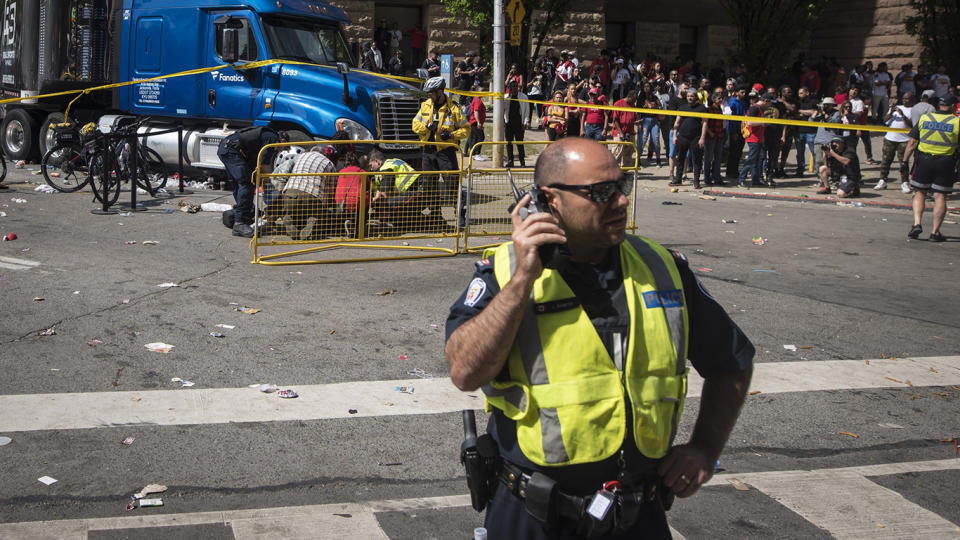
[[530, 231]]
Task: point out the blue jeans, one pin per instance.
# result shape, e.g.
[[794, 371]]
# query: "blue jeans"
[[752, 164], [239, 172], [806, 140], [651, 131], [593, 131]]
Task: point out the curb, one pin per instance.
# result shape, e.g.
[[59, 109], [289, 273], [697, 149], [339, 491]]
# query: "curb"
[[817, 200]]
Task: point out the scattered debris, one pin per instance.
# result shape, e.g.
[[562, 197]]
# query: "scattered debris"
[[150, 242], [754, 392], [183, 382], [332, 332], [128, 441], [116, 379], [47, 480], [765, 270], [707, 197], [738, 485], [915, 397], [390, 463], [217, 335], [404, 389], [150, 502], [791, 348], [159, 347], [10, 237], [287, 394], [130, 242], [418, 372], [942, 394], [352, 411], [812, 248], [759, 240], [265, 387], [188, 208], [933, 371], [21, 164], [45, 188], [40, 299], [705, 269], [18, 200], [168, 285], [52, 331], [728, 221], [215, 207], [891, 379], [848, 434], [5, 441], [385, 292], [247, 310], [227, 326], [401, 357], [671, 203], [888, 425]]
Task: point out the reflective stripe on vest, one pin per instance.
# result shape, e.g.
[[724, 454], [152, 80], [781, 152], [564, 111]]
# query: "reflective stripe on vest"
[[402, 182], [938, 133], [564, 391]]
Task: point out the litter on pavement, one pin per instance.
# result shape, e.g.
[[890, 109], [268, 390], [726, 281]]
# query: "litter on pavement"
[[18, 200], [759, 240], [5, 441], [215, 207], [265, 388], [128, 441], [738, 485], [404, 389], [227, 326], [159, 347], [848, 434], [150, 242], [183, 382], [217, 335], [385, 292], [671, 203], [791, 348], [728, 221], [247, 310], [38, 299], [47, 480], [52, 331], [10, 237], [45, 188], [287, 394], [149, 490], [167, 285]]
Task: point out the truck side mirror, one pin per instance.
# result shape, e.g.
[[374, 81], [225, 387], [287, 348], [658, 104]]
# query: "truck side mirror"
[[343, 68], [423, 74], [230, 45]]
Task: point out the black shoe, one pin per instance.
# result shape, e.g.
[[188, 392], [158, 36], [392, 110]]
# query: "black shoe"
[[915, 232], [228, 219], [719, 183], [242, 229], [937, 237], [674, 183], [771, 183], [756, 184], [509, 164], [523, 163], [696, 185]]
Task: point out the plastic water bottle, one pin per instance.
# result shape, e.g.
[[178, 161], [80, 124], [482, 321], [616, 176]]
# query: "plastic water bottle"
[[480, 533]]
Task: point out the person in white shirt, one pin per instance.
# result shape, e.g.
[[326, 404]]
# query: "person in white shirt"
[[896, 143], [621, 78], [881, 92], [941, 82]]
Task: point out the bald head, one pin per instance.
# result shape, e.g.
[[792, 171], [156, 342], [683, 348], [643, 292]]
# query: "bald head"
[[554, 162]]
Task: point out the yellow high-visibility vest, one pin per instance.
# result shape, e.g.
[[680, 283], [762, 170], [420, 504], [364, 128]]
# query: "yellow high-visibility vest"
[[567, 394], [938, 134]]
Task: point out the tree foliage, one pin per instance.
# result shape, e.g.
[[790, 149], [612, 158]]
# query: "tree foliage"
[[768, 31], [479, 14], [936, 26]]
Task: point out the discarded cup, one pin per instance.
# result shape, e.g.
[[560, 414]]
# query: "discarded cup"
[[287, 394], [128, 441], [10, 237], [159, 347]]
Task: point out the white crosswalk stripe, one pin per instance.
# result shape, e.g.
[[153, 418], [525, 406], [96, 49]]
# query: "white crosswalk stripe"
[[11, 263], [842, 501], [30, 412]]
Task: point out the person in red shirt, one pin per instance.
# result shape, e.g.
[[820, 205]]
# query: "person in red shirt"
[[418, 38], [351, 185], [811, 79], [478, 117], [601, 68], [753, 134], [595, 120], [624, 129]]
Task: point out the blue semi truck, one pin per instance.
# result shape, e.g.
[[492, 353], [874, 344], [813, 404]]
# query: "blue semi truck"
[[55, 45]]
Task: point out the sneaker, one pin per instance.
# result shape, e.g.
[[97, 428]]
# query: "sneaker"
[[823, 191], [480, 157], [674, 183], [915, 232], [242, 229], [882, 184], [306, 233], [937, 237], [905, 187]]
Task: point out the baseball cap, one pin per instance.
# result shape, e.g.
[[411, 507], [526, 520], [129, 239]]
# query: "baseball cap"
[[949, 100], [928, 93], [768, 97], [758, 88], [471, 53], [828, 101]]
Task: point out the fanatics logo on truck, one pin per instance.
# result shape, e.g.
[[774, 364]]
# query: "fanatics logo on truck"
[[217, 76]]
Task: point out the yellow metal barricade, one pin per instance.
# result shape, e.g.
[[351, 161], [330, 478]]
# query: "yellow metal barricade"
[[487, 194], [321, 196]]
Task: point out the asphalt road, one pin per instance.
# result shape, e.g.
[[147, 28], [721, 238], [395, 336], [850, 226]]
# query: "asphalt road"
[[843, 281]]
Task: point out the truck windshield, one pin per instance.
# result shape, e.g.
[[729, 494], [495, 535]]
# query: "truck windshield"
[[306, 41]]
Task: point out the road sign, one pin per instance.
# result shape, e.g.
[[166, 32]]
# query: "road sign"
[[516, 34], [515, 11]]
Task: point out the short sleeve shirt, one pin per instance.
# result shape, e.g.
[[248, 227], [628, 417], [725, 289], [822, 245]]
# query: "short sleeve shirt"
[[716, 346], [690, 126]]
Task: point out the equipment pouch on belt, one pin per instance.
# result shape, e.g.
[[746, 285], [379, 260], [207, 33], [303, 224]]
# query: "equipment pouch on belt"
[[541, 498], [479, 457]]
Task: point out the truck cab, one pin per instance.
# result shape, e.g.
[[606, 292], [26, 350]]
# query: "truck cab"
[[162, 37]]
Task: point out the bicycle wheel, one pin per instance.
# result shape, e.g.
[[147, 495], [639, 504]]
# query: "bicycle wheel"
[[100, 176], [153, 170], [64, 168]]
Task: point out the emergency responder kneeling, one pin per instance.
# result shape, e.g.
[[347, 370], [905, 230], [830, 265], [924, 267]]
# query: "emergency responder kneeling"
[[583, 367], [935, 138], [398, 198], [238, 152]]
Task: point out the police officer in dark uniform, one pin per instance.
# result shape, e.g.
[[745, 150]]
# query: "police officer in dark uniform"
[[596, 346], [935, 138], [238, 152]]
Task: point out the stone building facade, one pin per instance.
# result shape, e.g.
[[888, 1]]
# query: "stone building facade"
[[852, 31]]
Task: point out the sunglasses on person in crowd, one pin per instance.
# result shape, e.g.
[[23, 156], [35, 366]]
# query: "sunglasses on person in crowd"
[[600, 192]]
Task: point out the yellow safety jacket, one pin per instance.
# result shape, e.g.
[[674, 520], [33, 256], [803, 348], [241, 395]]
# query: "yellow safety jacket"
[[449, 118], [566, 394], [401, 182], [938, 134]]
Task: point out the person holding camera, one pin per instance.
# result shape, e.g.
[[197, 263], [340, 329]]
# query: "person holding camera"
[[583, 363], [843, 166]]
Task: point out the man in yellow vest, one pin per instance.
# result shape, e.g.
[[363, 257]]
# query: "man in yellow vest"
[[398, 197], [583, 362], [934, 137]]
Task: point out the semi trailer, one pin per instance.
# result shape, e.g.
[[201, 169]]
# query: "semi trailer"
[[51, 46]]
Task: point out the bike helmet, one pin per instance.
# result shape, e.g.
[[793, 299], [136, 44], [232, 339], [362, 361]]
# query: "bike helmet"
[[434, 83]]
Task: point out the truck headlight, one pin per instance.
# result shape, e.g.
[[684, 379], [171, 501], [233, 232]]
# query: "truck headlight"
[[355, 129]]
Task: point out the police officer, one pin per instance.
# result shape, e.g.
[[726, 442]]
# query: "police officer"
[[934, 137], [238, 152], [439, 120], [397, 198], [584, 365]]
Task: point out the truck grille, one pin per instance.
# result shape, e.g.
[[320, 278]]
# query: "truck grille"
[[395, 112]]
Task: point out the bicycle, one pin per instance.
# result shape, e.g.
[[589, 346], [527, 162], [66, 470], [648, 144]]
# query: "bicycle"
[[65, 165]]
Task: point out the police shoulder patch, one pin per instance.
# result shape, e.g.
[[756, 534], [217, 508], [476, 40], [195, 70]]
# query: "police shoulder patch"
[[475, 292]]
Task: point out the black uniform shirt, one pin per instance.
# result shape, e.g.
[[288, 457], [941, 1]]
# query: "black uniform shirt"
[[716, 345]]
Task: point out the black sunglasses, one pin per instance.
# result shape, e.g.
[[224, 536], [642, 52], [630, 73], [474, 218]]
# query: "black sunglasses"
[[600, 192]]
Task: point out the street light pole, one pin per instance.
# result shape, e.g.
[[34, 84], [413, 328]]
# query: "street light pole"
[[497, 86]]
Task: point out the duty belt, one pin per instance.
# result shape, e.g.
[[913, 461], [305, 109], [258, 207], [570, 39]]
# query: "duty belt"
[[546, 504]]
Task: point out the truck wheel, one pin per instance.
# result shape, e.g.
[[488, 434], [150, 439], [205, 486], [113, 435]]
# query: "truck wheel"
[[46, 134], [19, 131], [295, 135]]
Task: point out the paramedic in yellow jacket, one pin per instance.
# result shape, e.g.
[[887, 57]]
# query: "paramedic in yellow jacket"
[[440, 120], [583, 363]]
